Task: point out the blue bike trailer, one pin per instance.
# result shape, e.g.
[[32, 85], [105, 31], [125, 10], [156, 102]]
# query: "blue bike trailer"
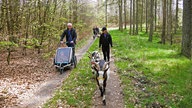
[[63, 57]]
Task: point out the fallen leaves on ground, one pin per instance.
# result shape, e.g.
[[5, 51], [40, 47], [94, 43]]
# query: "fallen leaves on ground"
[[19, 79]]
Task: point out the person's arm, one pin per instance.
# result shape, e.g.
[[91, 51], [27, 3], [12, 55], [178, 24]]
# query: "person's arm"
[[110, 40], [62, 36], [98, 30], [75, 36], [100, 39]]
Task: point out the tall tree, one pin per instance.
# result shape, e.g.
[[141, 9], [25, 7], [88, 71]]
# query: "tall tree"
[[146, 16], [137, 17], [120, 15], [151, 21], [75, 9], [131, 21], [169, 29], [187, 29], [141, 16], [176, 16], [134, 17], [164, 22], [106, 20], [125, 14], [155, 15]]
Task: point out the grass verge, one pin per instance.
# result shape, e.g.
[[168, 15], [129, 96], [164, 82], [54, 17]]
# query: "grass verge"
[[152, 74], [77, 90]]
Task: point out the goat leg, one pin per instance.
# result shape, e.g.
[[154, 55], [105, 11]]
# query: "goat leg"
[[104, 101], [101, 90], [104, 86]]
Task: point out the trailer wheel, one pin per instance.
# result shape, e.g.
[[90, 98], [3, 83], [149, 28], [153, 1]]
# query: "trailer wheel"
[[61, 71]]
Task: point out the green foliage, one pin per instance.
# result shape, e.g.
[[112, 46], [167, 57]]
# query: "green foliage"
[[7, 44], [167, 73], [30, 43]]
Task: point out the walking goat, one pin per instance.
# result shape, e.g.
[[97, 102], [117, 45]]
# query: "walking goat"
[[102, 74]]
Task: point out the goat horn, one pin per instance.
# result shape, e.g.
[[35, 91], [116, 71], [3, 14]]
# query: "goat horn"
[[105, 65], [97, 65]]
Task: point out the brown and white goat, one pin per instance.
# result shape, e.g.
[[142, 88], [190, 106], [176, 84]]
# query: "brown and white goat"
[[102, 74]]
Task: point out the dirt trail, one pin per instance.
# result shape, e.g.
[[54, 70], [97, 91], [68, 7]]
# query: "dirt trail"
[[114, 93], [45, 90]]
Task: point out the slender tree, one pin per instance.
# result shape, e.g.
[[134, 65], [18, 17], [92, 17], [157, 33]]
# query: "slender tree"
[[151, 21], [146, 16], [75, 9], [187, 29], [176, 17], [137, 17], [155, 15], [164, 22], [120, 16], [106, 20], [131, 21], [125, 14], [134, 17], [141, 16], [170, 22]]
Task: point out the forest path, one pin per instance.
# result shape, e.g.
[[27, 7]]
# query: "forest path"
[[45, 90]]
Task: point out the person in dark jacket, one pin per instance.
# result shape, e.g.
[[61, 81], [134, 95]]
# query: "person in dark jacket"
[[97, 30], [105, 42], [70, 34], [94, 31]]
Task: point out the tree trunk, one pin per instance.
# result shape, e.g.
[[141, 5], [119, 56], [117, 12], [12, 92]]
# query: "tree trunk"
[[176, 17], [106, 20], [27, 20], [164, 22], [187, 29], [70, 12], [151, 21], [3, 17], [125, 14], [8, 56], [146, 16], [170, 23], [120, 16], [137, 17], [7, 17], [155, 15], [130, 30], [133, 17], [141, 23], [75, 8]]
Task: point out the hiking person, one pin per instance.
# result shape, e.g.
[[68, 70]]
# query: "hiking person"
[[105, 42], [97, 30], [70, 34]]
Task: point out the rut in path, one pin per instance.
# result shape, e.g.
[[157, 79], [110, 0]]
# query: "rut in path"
[[114, 93], [46, 90]]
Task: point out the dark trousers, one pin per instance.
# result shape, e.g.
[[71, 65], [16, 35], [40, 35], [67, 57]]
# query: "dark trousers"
[[106, 53], [73, 46]]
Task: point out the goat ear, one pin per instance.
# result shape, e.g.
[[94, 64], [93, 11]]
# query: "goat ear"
[[106, 67], [105, 71], [108, 62], [95, 68]]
